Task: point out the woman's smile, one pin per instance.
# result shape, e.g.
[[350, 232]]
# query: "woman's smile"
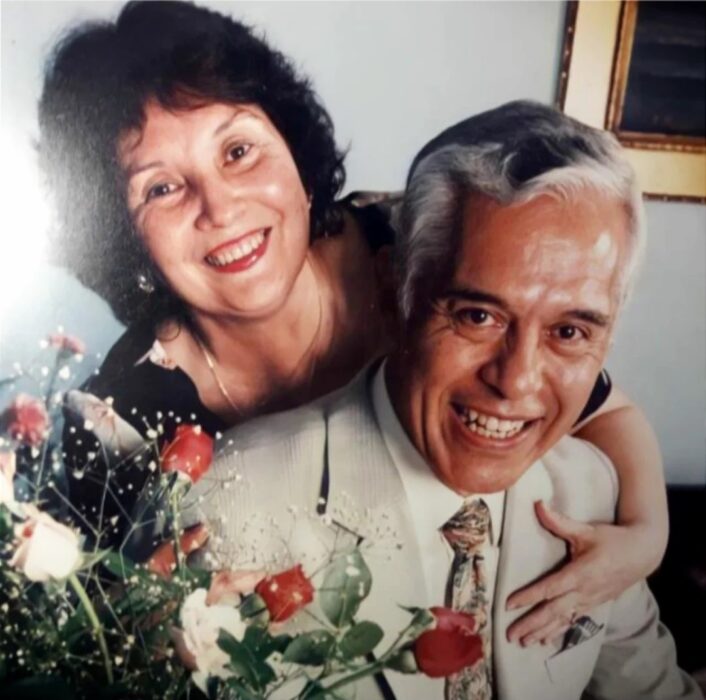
[[240, 253]]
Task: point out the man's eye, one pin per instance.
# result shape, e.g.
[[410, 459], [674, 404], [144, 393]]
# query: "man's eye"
[[161, 189], [475, 317], [238, 151], [569, 333]]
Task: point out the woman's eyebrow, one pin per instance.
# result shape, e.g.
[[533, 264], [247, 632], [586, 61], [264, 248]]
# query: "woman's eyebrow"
[[237, 112], [133, 170]]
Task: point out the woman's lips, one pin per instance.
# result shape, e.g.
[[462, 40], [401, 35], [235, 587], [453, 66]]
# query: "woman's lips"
[[239, 254]]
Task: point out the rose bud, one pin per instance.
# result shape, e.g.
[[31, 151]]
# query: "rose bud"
[[189, 453], [229, 586], [163, 561], [26, 420], [450, 647], [45, 548], [285, 593], [67, 343]]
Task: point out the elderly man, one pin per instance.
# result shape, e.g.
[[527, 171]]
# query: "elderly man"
[[519, 235]]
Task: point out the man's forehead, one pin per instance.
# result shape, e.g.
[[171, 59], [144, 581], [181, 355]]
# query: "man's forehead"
[[572, 247]]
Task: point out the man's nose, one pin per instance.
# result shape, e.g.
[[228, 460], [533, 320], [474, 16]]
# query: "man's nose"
[[515, 371], [220, 203]]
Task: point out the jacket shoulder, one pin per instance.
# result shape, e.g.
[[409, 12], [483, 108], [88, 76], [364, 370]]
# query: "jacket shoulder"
[[584, 481]]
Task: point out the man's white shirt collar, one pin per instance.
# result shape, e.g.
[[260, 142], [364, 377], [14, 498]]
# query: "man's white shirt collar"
[[431, 502]]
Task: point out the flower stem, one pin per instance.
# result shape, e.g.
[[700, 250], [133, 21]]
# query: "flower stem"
[[174, 501], [95, 622]]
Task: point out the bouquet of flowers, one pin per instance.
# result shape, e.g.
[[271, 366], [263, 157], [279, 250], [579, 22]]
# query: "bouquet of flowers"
[[81, 621]]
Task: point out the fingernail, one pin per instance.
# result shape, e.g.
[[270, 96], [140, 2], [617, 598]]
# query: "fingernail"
[[511, 605]]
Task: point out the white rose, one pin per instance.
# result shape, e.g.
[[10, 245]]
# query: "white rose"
[[201, 625], [7, 474], [47, 549]]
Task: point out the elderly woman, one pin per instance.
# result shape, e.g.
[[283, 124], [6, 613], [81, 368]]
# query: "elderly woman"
[[196, 177]]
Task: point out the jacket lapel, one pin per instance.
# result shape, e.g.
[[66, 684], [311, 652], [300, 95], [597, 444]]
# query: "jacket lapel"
[[524, 552], [528, 552], [367, 496]]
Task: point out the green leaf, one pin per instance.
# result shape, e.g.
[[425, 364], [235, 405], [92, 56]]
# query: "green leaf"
[[421, 620], [360, 639], [310, 648], [244, 662], [7, 531], [346, 584], [91, 559], [253, 609], [261, 643], [402, 661], [120, 566]]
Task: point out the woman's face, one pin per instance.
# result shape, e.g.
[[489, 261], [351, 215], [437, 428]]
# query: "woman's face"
[[217, 198]]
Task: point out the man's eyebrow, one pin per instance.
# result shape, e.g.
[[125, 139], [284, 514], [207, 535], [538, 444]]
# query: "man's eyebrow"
[[470, 294], [589, 316]]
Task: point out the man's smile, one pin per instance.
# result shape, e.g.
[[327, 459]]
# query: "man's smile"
[[488, 430]]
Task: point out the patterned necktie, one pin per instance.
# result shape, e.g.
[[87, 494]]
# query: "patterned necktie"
[[467, 532]]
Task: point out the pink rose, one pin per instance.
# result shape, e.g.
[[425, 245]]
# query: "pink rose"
[[26, 420], [67, 343], [229, 586]]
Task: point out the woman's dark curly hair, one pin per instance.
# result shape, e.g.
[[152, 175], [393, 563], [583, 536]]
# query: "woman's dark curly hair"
[[96, 86]]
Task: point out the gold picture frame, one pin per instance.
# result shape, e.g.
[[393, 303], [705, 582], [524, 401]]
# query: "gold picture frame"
[[595, 64]]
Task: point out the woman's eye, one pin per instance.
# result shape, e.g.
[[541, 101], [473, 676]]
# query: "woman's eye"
[[161, 189], [238, 151]]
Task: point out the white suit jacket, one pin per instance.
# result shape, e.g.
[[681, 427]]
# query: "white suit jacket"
[[257, 494]]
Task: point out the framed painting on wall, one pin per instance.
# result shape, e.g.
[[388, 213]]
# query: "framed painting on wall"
[[638, 69]]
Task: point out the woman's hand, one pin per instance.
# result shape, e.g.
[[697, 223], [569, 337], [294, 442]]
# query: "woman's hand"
[[605, 560]]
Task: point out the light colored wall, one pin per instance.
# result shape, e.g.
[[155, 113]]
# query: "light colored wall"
[[392, 75]]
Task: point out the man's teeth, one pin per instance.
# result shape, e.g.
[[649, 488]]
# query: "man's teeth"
[[238, 250], [490, 426]]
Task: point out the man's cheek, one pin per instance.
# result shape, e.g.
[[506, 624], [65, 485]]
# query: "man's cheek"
[[575, 382]]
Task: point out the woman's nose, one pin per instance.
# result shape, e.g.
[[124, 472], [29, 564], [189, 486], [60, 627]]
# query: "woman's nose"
[[219, 204]]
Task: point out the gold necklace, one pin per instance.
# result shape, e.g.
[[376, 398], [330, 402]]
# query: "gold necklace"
[[211, 362], [212, 366]]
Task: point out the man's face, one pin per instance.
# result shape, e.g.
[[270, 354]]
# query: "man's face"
[[503, 364]]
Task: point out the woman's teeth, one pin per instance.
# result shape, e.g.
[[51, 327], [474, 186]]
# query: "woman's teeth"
[[238, 250], [489, 426]]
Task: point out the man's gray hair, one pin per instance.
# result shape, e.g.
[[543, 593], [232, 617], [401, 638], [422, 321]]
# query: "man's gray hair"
[[513, 154]]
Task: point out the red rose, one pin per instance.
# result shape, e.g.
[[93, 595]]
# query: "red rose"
[[190, 452], [164, 561], [26, 420], [67, 343], [450, 646], [285, 593]]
